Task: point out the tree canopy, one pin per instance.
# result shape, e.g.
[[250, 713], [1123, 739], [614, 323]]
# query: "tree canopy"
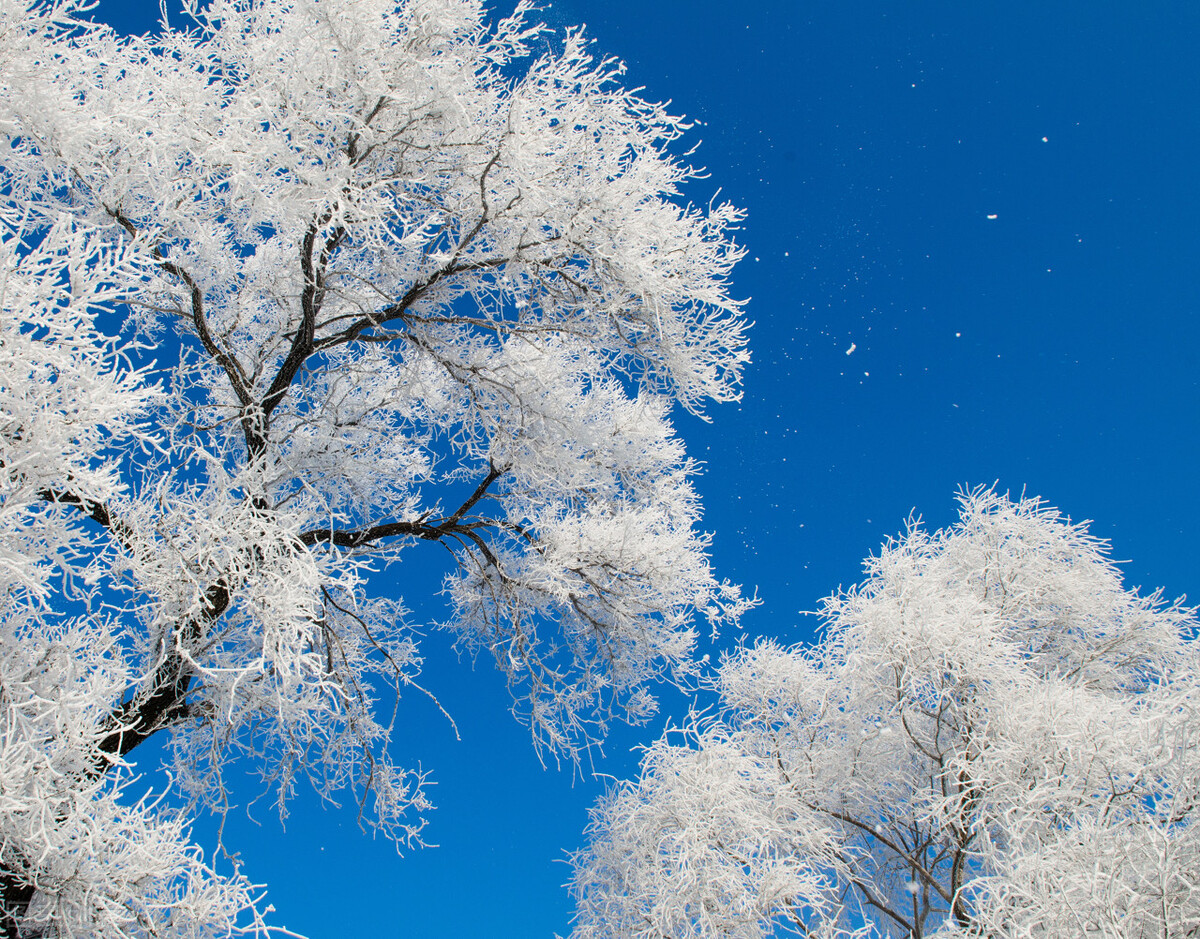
[[993, 737], [288, 290]]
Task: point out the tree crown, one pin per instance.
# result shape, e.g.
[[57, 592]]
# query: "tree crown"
[[992, 737], [394, 277]]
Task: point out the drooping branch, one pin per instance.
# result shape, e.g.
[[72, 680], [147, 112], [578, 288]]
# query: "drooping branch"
[[127, 726]]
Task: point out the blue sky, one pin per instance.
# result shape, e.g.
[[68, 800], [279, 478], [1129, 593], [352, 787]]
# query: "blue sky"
[[1052, 348]]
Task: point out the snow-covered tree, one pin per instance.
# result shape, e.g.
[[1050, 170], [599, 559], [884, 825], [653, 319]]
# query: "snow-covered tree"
[[287, 290], [992, 737]]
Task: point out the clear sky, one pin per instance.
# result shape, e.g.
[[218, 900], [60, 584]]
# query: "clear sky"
[[973, 257]]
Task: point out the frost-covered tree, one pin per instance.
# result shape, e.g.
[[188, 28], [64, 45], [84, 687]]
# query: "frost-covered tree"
[[288, 290], [992, 737]]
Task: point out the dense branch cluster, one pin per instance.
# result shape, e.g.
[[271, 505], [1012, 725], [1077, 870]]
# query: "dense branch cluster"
[[992, 738], [286, 292]]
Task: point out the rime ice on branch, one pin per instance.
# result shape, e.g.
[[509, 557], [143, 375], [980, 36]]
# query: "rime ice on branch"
[[992, 738], [395, 279]]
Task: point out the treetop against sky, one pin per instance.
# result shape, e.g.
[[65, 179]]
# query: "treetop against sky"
[[338, 336]]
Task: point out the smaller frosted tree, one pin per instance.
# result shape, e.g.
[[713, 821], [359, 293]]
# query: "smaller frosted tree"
[[992, 738]]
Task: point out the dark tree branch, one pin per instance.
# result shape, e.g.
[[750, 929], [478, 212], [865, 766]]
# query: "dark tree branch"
[[231, 367], [138, 718], [164, 698], [398, 309], [352, 150], [421, 528], [358, 537], [242, 386], [129, 725], [926, 876], [97, 511], [494, 473], [311, 299], [879, 904]]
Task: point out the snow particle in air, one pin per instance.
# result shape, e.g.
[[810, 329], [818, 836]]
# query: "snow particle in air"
[[853, 346]]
